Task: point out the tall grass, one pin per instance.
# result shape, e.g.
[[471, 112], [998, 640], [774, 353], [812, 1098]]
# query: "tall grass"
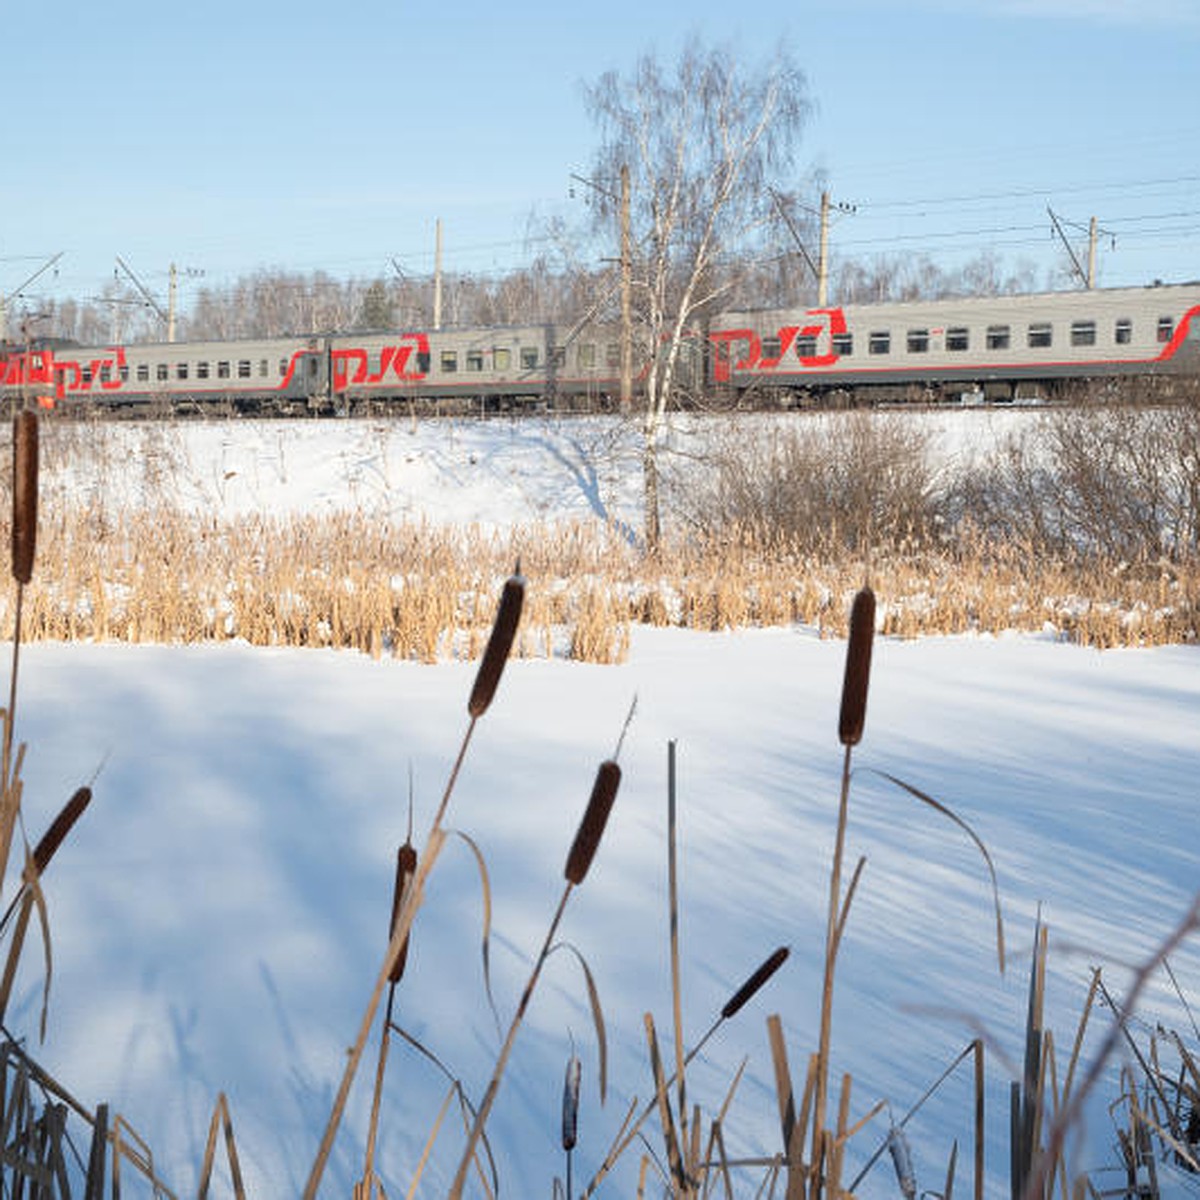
[[425, 593], [777, 529]]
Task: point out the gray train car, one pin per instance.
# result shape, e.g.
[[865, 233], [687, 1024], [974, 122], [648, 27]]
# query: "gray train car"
[[493, 367], [1000, 347], [276, 374]]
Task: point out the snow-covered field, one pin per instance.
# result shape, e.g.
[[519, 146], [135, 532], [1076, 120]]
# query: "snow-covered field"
[[220, 913]]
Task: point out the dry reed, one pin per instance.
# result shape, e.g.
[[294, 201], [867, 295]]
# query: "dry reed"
[[419, 592], [25, 495], [406, 869]]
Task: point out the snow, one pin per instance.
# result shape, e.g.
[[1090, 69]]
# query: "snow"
[[220, 913]]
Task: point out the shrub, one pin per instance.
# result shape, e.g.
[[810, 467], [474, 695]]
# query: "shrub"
[[856, 480]]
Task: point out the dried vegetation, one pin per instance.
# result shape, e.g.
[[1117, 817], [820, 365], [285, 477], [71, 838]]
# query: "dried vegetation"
[[339, 558], [1088, 530]]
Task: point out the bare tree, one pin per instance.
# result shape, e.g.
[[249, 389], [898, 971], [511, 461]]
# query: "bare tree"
[[704, 142]]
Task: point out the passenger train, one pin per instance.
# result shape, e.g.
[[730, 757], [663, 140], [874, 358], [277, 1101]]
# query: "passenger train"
[[996, 348]]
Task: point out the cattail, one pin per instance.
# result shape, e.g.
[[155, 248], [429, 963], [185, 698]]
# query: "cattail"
[[591, 828], [70, 812], [902, 1160], [504, 629], [25, 494], [858, 668], [739, 998], [406, 868], [570, 1107]]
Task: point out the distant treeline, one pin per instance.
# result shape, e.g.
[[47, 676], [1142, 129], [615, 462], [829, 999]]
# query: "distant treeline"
[[273, 302]]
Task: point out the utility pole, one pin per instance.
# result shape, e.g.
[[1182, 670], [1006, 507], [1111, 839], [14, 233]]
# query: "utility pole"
[[172, 288], [823, 254], [1086, 276], [626, 283], [821, 267], [19, 289], [437, 275], [150, 300], [827, 207]]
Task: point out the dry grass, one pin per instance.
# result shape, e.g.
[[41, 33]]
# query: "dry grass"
[[793, 551], [424, 593]]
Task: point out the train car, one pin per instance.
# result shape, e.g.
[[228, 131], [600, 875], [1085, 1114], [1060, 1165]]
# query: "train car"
[[276, 374], [1001, 348], [491, 368]]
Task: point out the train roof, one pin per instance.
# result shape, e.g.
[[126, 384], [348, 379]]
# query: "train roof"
[[1049, 302]]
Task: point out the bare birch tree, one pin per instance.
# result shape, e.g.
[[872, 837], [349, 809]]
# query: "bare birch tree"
[[704, 141]]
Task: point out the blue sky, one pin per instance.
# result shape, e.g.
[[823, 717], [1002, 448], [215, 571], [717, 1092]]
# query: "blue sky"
[[231, 136]]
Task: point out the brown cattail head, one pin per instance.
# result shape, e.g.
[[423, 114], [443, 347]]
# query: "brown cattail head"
[[739, 998], [70, 812], [570, 1107], [25, 494], [858, 668], [406, 868], [591, 828], [504, 630]]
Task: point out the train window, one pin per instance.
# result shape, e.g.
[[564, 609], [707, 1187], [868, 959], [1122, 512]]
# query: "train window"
[[918, 341], [843, 343], [283, 365], [202, 370], [529, 358], [262, 368], [87, 376], [1040, 335], [125, 373], [612, 354], [1083, 333], [806, 346], [1123, 331], [587, 356], [143, 372], [880, 342], [1166, 329], [771, 347], [474, 360], [222, 370], [958, 337], [160, 372], [998, 337], [243, 368], [502, 358], [449, 361], [312, 364], [106, 373], [558, 356], [181, 370]]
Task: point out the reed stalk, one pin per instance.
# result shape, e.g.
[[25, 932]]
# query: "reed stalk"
[[579, 859], [486, 681], [851, 720]]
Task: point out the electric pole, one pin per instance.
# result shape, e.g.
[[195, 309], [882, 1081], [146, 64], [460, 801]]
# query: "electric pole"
[[821, 267], [437, 275], [626, 281], [19, 289], [823, 254], [1086, 276], [165, 318]]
